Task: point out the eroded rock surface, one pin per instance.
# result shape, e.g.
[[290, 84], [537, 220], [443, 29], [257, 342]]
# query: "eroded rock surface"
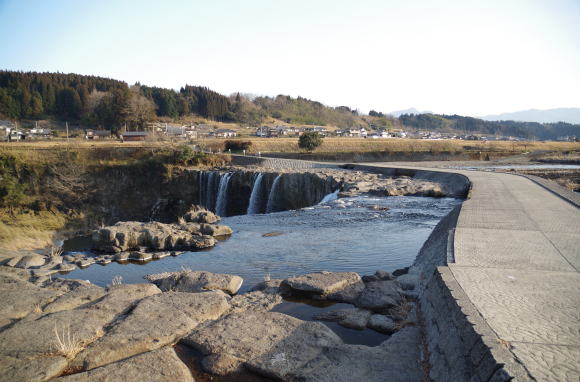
[[395, 360], [155, 321], [271, 344]]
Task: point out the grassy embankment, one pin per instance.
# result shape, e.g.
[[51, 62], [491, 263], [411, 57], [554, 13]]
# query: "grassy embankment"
[[45, 187]]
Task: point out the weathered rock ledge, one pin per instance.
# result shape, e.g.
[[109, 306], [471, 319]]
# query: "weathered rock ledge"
[[75, 331]]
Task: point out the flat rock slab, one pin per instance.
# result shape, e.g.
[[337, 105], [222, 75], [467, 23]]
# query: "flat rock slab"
[[19, 302], [39, 337], [258, 301], [196, 281], [271, 344], [121, 297], [73, 299], [161, 365], [395, 360], [154, 322], [322, 283]]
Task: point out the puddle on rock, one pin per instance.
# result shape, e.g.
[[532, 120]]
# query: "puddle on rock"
[[192, 359], [305, 309]]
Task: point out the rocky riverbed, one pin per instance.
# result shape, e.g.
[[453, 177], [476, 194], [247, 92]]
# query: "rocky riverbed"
[[72, 330]]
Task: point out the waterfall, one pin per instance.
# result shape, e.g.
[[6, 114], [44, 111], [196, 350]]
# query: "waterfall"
[[330, 197], [270, 205], [254, 206], [209, 191], [222, 196]]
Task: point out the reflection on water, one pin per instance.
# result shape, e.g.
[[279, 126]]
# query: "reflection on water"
[[343, 235], [306, 309]]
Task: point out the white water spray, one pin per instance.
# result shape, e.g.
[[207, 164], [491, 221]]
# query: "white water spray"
[[222, 197], [273, 190], [254, 206], [330, 197]]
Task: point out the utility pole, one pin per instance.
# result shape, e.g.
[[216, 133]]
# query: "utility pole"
[[66, 124]]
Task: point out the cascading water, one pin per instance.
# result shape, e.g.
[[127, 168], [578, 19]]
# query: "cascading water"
[[222, 196], [271, 197], [208, 201], [330, 197], [254, 206]]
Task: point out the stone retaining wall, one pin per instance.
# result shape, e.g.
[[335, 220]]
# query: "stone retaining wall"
[[277, 163]]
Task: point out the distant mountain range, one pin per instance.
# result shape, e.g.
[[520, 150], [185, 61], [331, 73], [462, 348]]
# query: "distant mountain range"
[[398, 113], [570, 115]]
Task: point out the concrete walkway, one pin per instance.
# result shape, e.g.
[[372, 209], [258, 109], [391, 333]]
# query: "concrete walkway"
[[517, 257]]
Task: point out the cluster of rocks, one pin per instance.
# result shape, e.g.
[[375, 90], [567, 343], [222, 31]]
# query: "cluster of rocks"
[[72, 330], [130, 241]]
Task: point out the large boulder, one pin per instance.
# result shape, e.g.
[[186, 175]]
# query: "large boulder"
[[321, 283], [155, 321], [127, 236], [161, 365], [196, 281], [271, 344], [380, 295]]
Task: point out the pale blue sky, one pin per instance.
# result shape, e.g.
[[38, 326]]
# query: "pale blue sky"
[[448, 56]]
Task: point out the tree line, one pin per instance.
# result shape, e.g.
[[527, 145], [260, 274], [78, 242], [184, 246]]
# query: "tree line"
[[469, 125], [108, 103]]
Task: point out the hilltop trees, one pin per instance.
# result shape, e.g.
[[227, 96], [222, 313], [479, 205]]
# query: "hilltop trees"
[[139, 108]]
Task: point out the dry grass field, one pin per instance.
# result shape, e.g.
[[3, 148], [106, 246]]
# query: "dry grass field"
[[40, 149], [331, 145]]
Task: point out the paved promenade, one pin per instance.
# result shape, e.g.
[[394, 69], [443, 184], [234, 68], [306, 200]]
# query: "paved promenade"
[[517, 257]]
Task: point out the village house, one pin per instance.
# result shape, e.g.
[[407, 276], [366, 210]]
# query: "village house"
[[134, 136], [41, 133], [224, 133]]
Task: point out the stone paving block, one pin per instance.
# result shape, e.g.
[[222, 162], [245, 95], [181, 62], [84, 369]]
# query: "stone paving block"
[[483, 217], [525, 306], [549, 362], [555, 221], [495, 248], [568, 245]]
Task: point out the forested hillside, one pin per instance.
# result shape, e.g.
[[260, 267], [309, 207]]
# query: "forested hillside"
[[469, 125], [96, 101]]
